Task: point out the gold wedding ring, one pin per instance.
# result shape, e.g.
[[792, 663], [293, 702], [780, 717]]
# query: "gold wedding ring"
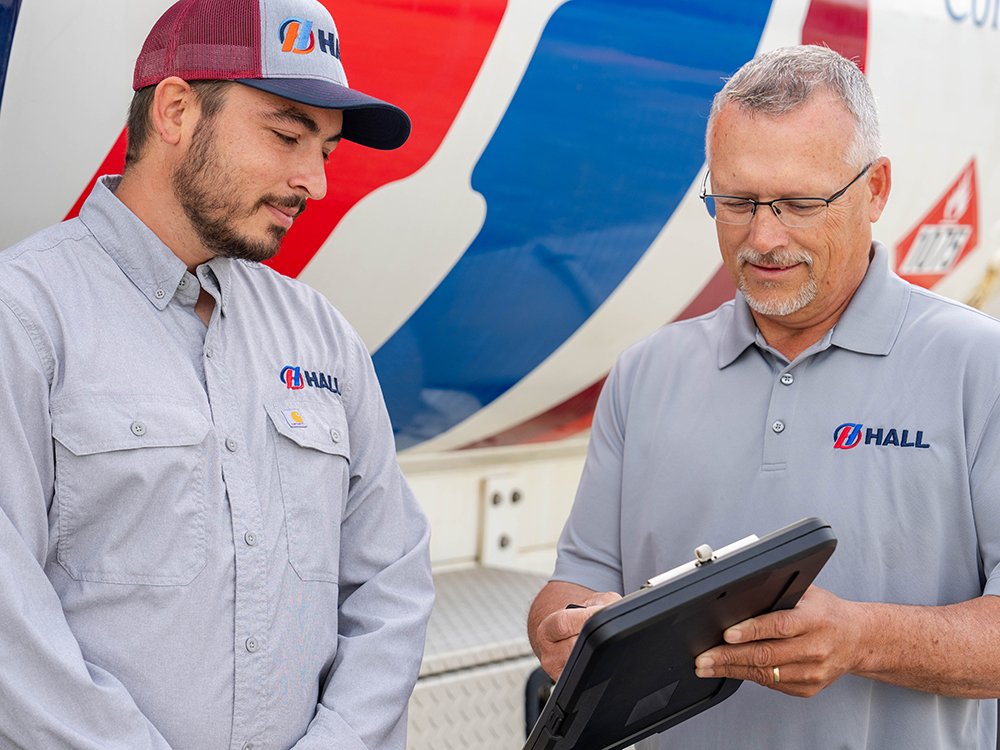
[[777, 675]]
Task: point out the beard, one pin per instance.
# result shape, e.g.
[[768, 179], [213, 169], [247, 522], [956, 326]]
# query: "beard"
[[759, 299], [209, 194]]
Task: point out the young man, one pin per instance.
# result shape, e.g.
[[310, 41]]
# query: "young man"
[[828, 388], [205, 539]]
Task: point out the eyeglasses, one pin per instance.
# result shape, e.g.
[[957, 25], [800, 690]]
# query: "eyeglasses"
[[792, 212]]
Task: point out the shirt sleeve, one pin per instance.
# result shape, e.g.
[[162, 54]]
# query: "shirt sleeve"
[[50, 696], [386, 589], [984, 481], [589, 551]]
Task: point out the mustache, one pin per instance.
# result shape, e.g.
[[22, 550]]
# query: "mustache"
[[774, 258], [286, 201]]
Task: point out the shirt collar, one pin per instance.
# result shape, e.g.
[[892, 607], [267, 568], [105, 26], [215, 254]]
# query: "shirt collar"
[[869, 325], [148, 263], [152, 266], [875, 314]]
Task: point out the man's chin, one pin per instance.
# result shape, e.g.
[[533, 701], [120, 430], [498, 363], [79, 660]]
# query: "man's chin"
[[774, 302], [255, 252], [773, 308]]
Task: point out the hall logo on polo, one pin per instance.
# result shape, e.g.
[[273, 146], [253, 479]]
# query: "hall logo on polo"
[[850, 434]]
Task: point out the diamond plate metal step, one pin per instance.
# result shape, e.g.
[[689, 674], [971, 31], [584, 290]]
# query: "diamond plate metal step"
[[470, 693]]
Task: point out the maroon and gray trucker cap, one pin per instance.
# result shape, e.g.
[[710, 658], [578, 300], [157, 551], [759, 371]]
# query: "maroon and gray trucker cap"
[[285, 47]]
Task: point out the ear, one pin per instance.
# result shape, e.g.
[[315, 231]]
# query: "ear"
[[174, 109], [879, 184]]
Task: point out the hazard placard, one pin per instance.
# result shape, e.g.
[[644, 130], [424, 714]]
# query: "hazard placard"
[[944, 236]]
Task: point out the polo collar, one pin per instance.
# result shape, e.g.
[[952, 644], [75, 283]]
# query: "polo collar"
[[740, 332], [875, 314], [869, 325]]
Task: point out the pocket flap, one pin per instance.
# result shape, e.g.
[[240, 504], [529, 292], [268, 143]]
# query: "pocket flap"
[[100, 423], [322, 427]]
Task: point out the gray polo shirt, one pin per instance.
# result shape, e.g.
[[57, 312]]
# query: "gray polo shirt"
[[888, 428], [205, 539]]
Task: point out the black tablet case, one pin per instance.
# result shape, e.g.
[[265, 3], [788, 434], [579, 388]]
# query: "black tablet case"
[[631, 672]]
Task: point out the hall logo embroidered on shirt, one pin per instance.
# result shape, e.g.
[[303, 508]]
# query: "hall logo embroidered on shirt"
[[295, 378], [296, 35], [849, 435]]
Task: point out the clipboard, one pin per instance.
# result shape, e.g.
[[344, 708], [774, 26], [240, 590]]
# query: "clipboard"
[[631, 672]]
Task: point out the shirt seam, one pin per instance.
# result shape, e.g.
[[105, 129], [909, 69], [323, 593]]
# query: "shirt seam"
[[980, 428], [47, 363]]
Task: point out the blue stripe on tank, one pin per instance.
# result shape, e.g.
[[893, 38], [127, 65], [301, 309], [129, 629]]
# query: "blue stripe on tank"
[[595, 152], [8, 21]]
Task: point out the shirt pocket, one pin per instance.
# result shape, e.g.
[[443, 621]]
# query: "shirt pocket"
[[130, 486], [313, 458]]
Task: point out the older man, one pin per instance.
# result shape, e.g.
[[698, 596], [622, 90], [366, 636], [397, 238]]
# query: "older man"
[[205, 539], [830, 388]]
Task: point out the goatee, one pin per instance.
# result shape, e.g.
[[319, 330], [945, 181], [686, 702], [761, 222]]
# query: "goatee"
[[211, 201]]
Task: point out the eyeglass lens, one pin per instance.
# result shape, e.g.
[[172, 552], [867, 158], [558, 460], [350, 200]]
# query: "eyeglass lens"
[[803, 212]]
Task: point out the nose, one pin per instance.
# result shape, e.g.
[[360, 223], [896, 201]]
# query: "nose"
[[310, 175], [766, 230]]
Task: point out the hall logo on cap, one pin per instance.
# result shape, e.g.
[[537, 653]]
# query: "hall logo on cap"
[[296, 35]]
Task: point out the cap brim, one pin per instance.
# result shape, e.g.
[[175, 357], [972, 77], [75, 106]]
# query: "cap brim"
[[368, 121]]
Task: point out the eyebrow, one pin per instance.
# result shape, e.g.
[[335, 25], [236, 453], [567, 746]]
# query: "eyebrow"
[[298, 117]]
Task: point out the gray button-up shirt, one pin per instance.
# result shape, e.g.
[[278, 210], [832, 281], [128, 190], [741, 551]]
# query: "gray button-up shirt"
[[205, 539], [888, 428]]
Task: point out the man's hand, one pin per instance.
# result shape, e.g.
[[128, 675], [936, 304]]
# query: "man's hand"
[[811, 646], [553, 629], [557, 633]]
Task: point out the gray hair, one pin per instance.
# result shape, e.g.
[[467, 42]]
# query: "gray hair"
[[784, 79]]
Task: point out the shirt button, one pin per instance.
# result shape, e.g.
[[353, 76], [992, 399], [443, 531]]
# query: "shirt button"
[[335, 435], [250, 538], [183, 283], [778, 426], [231, 445], [208, 352], [787, 379], [248, 746], [251, 644], [159, 294], [138, 429]]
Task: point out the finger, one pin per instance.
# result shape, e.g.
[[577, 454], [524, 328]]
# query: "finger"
[[793, 679], [567, 623], [553, 657], [782, 624], [733, 661], [563, 625], [558, 632], [760, 675], [557, 635], [601, 600]]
